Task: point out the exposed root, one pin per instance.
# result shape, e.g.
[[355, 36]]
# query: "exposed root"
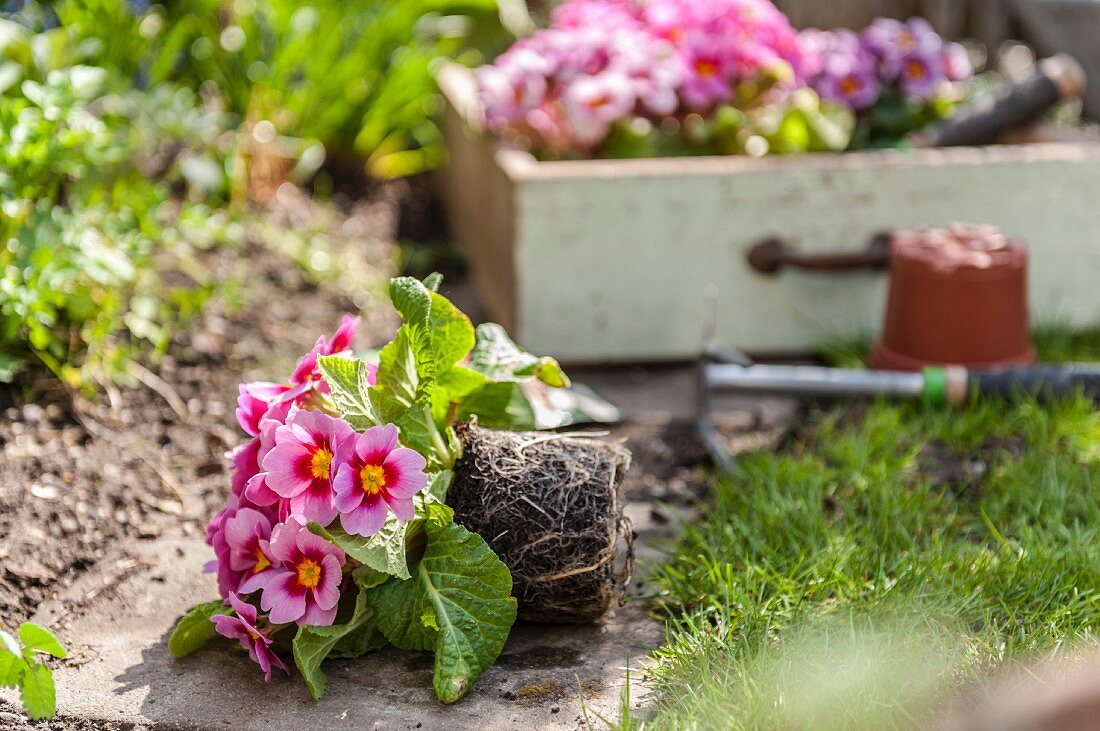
[[551, 506]]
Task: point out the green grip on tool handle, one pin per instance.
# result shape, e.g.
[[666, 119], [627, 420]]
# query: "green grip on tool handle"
[[935, 386]]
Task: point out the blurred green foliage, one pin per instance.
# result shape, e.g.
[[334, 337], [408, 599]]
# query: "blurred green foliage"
[[757, 125], [80, 220], [354, 75], [124, 123]]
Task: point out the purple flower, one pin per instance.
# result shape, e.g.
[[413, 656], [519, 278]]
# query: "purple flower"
[[921, 75], [305, 587], [301, 466], [858, 88], [243, 628], [890, 41], [376, 476], [707, 74]]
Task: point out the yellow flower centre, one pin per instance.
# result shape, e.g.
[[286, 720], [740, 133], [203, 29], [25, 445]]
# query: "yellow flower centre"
[[374, 478], [849, 85], [916, 69], [261, 561], [309, 573], [706, 68], [600, 101], [319, 464]]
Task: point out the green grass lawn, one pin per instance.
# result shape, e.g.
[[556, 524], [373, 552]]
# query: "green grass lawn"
[[882, 557]]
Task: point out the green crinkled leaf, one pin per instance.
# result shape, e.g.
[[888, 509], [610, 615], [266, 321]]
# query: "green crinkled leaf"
[[419, 432], [452, 387], [438, 484], [384, 551], [368, 578], [498, 357], [433, 280], [452, 333], [12, 667], [347, 381], [195, 628], [413, 301], [458, 604], [350, 639], [39, 639], [37, 691], [499, 405], [398, 381]]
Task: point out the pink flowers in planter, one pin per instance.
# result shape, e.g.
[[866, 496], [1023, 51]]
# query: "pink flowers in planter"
[[857, 68], [602, 61], [607, 72]]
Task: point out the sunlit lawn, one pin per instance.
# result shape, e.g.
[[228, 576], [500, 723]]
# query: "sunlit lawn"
[[882, 557]]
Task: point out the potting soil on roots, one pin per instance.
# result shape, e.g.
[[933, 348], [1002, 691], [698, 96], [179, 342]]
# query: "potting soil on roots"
[[551, 506]]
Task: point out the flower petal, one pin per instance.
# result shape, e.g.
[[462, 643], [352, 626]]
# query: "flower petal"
[[314, 505], [314, 616], [282, 599], [405, 473], [403, 508], [348, 494], [367, 519], [375, 443], [259, 493], [327, 593], [282, 546]]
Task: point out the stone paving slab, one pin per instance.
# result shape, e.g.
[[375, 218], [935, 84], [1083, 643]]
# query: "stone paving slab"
[[121, 669]]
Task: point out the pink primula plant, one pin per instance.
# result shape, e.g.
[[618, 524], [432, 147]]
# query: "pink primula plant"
[[335, 503]]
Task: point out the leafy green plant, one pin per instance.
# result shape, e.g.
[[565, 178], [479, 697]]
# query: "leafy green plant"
[[87, 168], [21, 668], [373, 556], [355, 76]]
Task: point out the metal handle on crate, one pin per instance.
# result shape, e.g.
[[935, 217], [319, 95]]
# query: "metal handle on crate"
[[772, 255]]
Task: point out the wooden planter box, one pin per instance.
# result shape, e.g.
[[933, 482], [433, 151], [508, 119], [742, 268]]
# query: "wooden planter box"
[[610, 260]]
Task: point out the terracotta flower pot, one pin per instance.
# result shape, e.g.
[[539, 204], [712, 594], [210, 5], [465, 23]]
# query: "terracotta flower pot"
[[957, 297]]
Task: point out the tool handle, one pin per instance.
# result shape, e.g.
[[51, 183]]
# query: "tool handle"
[[985, 119], [1043, 381]]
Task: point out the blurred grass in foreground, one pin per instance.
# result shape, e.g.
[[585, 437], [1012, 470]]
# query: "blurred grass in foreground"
[[884, 556]]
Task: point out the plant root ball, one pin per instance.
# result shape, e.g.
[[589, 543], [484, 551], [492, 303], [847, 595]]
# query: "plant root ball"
[[551, 506]]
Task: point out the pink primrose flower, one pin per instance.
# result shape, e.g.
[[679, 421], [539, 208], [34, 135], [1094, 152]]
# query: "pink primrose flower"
[[300, 467], [247, 536], [375, 476], [305, 587], [243, 627]]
